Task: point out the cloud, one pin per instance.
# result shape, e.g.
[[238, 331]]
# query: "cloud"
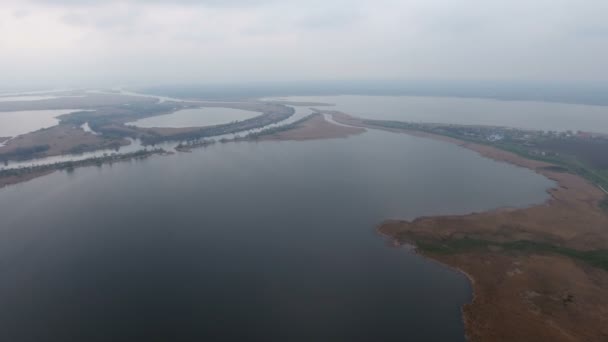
[[126, 18], [158, 41], [207, 3], [21, 13]]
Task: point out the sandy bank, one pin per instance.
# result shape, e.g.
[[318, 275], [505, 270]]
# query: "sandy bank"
[[315, 128]]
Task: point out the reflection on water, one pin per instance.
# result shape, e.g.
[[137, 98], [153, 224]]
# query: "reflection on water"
[[134, 146], [518, 114]]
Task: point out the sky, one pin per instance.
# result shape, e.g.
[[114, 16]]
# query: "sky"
[[107, 42]]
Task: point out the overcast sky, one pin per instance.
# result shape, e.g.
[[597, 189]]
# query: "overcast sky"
[[189, 41]]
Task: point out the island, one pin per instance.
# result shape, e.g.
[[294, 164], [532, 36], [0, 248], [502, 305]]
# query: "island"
[[107, 115]]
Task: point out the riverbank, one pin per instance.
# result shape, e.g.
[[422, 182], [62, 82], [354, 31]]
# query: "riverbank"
[[20, 175], [313, 126], [538, 273]]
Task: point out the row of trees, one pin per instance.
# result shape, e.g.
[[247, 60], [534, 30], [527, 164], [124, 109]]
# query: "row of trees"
[[229, 128]]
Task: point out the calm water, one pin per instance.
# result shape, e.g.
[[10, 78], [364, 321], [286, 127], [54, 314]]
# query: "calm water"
[[31, 97], [196, 117], [269, 241], [21, 122], [519, 114]]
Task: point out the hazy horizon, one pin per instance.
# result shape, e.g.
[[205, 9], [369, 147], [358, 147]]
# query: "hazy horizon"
[[105, 43]]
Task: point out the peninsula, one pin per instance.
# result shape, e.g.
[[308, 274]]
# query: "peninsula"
[[539, 273]]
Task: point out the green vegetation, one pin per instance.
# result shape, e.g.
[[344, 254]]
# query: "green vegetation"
[[556, 168], [190, 144], [262, 120], [604, 203], [22, 153], [281, 128], [119, 113], [70, 165], [581, 154], [597, 258]]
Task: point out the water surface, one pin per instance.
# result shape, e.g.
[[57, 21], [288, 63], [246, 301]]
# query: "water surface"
[[245, 241], [196, 117], [518, 114], [21, 122]]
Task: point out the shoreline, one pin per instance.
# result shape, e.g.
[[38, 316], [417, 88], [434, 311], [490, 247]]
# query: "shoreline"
[[519, 294], [16, 176], [313, 127], [414, 250]]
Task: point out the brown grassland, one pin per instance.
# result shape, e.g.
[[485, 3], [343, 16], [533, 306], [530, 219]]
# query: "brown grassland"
[[61, 139], [315, 128]]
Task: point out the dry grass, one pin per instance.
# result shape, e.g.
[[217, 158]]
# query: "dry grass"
[[523, 294], [315, 128], [60, 139]]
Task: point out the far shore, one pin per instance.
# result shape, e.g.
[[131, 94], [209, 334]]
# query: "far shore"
[[312, 127]]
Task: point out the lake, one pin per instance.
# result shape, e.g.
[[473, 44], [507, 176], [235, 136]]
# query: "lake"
[[196, 117], [21, 122], [32, 97], [270, 241], [467, 111]]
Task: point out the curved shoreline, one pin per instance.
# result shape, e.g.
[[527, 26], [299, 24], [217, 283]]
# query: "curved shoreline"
[[519, 292], [414, 250]]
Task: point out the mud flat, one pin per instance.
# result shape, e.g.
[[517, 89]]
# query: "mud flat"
[[539, 273]]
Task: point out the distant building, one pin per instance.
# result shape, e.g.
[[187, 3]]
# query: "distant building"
[[495, 137]]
